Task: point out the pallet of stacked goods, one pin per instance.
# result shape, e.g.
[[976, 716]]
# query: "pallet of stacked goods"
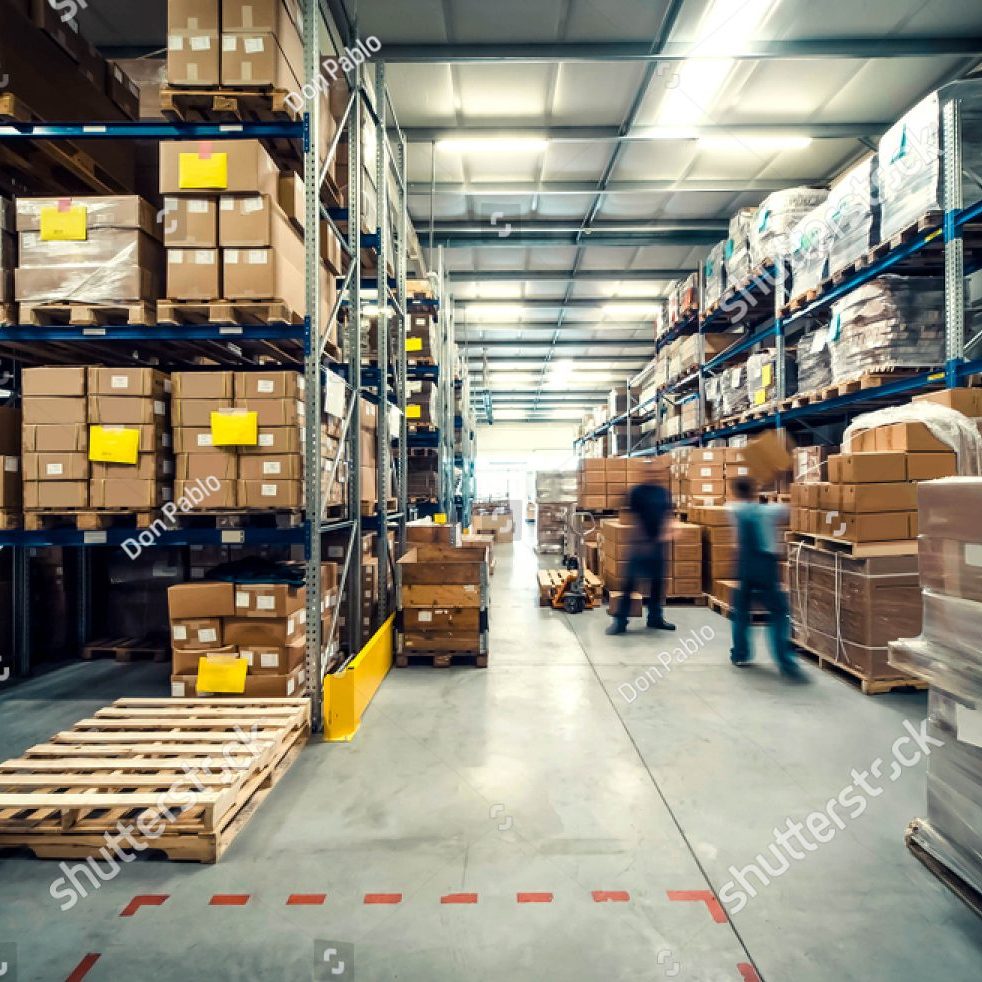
[[948, 657], [443, 606], [97, 446], [601, 484], [371, 587], [555, 500], [494, 518], [87, 261]]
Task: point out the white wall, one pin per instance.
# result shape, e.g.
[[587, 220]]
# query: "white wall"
[[514, 439], [509, 454]]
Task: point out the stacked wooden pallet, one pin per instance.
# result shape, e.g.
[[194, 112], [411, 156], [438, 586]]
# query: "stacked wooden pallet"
[[182, 775]]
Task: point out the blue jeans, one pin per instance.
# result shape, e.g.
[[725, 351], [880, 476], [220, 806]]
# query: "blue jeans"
[[763, 584]]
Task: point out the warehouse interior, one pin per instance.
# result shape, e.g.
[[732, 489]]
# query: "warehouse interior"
[[315, 544]]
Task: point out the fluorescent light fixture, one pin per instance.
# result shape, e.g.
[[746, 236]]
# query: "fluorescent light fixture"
[[498, 291], [629, 310], [492, 311], [493, 144], [632, 288], [751, 143]]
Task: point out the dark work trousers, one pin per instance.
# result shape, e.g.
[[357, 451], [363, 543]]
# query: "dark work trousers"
[[760, 579], [647, 564]]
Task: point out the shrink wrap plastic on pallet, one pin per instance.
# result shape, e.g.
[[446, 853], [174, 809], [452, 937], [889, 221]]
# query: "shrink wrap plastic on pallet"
[[776, 218], [910, 169], [810, 241], [736, 251], [762, 378], [814, 362], [853, 214], [734, 393], [555, 487], [714, 281], [891, 322], [948, 425]]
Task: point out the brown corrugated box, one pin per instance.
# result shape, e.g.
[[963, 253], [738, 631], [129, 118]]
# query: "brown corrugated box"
[[263, 59], [249, 167], [271, 659], [220, 464], [56, 494], [274, 412], [67, 381], [56, 438], [115, 283], [244, 221], [193, 15], [56, 467], [125, 410], [191, 222], [268, 600], [256, 686], [203, 385], [194, 274], [931, 466], [188, 601], [224, 496], [267, 274], [867, 468], [129, 492], [149, 467], [196, 634], [897, 496], [269, 385], [125, 211], [196, 413], [52, 410], [251, 631], [138, 382], [967, 401], [276, 440], [271, 494], [254, 467]]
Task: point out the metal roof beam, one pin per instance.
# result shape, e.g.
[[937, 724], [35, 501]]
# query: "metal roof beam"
[[860, 48], [519, 239], [559, 188], [639, 359], [560, 276], [538, 303]]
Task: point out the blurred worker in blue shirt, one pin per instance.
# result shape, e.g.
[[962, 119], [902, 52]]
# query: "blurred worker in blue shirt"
[[758, 571], [651, 505]]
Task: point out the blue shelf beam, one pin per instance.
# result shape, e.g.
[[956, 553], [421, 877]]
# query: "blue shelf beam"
[[152, 131], [26, 334]]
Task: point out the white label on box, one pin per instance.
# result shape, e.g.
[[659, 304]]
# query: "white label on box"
[[272, 467], [425, 617], [201, 42], [253, 46], [266, 385], [180, 632], [470, 588], [228, 42], [11, 464], [291, 625], [266, 439], [95, 538], [159, 407], [743, 472], [290, 686], [207, 635], [119, 382], [269, 659], [246, 656], [197, 206], [197, 573], [241, 599], [736, 376], [175, 257], [706, 472], [232, 257], [205, 257], [205, 440], [302, 617], [268, 490], [177, 690], [227, 204], [252, 205], [707, 489], [54, 470], [968, 725], [265, 603], [258, 257], [973, 554], [175, 42]]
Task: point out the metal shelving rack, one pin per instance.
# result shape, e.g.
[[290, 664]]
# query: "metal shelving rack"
[[772, 321], [312, 335]]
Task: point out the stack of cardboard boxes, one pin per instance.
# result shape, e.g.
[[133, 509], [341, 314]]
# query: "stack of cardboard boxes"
[[88, 250], [604, 484], [421, 403], [368, 435], [684, 569], [421, 339], [550, 527], [243, 433], [494, 518], [241, 638], [710, 474], [117, 419]]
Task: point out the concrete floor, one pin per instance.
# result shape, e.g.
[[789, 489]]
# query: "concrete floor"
[[536, 776]]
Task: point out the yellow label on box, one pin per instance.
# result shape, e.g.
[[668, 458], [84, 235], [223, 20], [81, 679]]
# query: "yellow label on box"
[[203, 171], [768, 374], [113, 446], [222, 675], [440, 519], [760, 397], [235, 429], [414, 412], [65, 224], [414, 344]]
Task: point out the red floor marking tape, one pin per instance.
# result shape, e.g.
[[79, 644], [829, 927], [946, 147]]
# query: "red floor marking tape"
[[82, 968], [383, 898], [306, 899], [143, 900], [748, 973], [611, 896], [229, 900], [705, 896], [534, 898], [459, 898]]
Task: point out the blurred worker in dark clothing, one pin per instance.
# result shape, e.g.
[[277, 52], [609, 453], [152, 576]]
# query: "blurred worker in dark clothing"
[[651, 505], [759, 574]]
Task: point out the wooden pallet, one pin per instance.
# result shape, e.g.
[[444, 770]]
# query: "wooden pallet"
[[691, 600], [857, 550], [58, 166], [141, 313], [88, 520], [8, 315], [226, 312], [219, 105], [441, 659], [241, 518], [421, 428], [133, 762], [931, 220], [421, 362], [551, 580], [804, 299], [757, 617], [869, 686], [10, 520], [917, 843], [147, 648]]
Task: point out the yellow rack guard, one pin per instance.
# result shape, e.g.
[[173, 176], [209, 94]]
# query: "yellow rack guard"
[[347, 695]]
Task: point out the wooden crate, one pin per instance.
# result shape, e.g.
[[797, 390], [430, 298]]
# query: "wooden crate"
[[184, 774]]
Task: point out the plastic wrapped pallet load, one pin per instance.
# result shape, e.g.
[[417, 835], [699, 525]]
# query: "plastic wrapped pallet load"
[[811, 241], [736, 252], [714, 279], [814, 361], [910, 171], [891, 322], [853, 214], [776, 218]]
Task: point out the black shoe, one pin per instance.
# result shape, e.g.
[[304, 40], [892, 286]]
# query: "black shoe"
[[618, 627], [661, 625], [740, 662]]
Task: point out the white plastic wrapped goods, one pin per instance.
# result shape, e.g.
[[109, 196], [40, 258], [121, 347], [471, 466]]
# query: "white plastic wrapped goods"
[[736, 252], [910, 158], [555, 486], [814, 361], [714, 280], [811, 240], [853, 214], [734, 393], [891, 322], [776, 218], [714, 398], [674, 304]]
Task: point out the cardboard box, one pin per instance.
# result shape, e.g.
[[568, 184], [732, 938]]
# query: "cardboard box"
[[236, 166], [967, 401], [56, 494], [276, 440], [224, 496], [197, 633], [636, 606], [56, 467], [913, 438], [64, 438], [265, 600], [193, 274], [260, 15], [860, 498], [269, 385], [275, 273], [194, 58], [125, 411], [195, 414], [52, 410], [153, 438], [193, 601], [274, 412], [148, 467], [256, 686], [220, 464], [191, 222], [54, 382], [102, 212], [252, 631], [129, 492], [768, 457], [142, 382], [193, 15], [256, 467], [867, 468], [931, 466], [875, 527], [686, 587], [273, 659], [203, 385], [263, 59], [270, 494], [244, 221]]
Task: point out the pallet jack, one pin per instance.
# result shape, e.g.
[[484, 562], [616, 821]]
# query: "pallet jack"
[[571, 595]]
